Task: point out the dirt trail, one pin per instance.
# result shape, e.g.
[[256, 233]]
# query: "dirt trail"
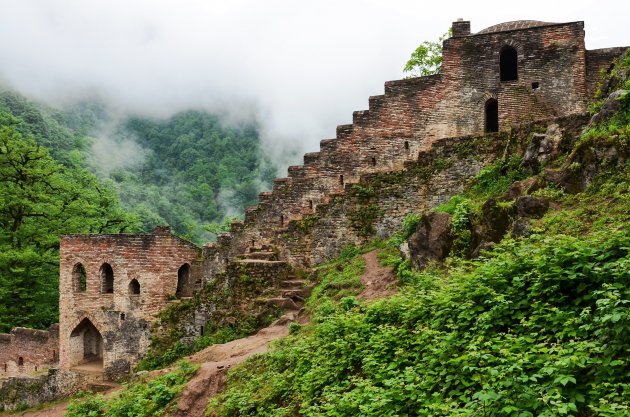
[[379, 281], [215, 362]]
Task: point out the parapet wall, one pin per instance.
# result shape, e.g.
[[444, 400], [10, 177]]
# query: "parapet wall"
[[25, 352]]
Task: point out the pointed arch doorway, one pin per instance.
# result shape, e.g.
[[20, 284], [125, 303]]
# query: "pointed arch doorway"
[[86, 345]]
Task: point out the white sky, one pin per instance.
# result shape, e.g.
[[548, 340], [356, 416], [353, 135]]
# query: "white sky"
[[302, 67]]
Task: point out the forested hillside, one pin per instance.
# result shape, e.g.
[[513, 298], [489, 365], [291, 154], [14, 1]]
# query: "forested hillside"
[[80, 169], [196, 170]]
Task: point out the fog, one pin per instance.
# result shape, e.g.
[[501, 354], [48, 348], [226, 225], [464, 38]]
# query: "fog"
[[299, 68]]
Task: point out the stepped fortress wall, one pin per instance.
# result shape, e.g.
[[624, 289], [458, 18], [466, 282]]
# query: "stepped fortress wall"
[[412, 149]]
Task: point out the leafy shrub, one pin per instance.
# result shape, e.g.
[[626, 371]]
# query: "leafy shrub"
[[538, 329], [146, 399]]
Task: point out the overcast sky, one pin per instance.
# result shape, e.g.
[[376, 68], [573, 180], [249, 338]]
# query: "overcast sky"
[[300, 67]]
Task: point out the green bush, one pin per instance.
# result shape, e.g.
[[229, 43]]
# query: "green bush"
[[148, 398], [538, 329]]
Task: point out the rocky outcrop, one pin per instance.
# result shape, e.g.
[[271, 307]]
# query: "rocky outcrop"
[[542, 148], [432, 240]]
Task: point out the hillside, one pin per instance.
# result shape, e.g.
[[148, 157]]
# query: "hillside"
[[512, 301], [63, 171], [189, 170]]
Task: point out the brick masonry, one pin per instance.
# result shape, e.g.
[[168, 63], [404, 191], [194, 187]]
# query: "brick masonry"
[[28, 352], [119, 322]]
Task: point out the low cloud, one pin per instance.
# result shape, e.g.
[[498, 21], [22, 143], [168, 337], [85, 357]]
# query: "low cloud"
[[299, 68]]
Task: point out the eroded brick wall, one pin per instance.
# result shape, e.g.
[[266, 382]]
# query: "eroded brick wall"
[[598, 63], [25, 352], [403, 123], [121, 318]]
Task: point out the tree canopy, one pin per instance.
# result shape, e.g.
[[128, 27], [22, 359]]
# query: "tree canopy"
[[40, 199], [426, 59]]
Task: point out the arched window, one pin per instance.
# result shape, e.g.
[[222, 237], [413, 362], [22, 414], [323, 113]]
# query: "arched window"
[[20, 361], [341, 180], [79, 278], [107, 279], [508, 64], [183, 276], [281, 220], [373, 161], [492, 116], [134, 287]]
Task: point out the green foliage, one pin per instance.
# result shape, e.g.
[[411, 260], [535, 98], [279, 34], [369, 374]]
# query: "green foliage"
[[410, 224], [495, 179], [427, 58], [145, 399], [306, 223], [537, 329], [451, 205], [217, 228], [40, 200], [362, 219], [196, 169]]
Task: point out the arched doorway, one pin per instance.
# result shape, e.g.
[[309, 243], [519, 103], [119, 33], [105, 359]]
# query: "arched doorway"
[[86, 344], [492, 116]]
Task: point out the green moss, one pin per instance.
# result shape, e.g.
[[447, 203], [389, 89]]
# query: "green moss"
[[363, 217], [306, 223]]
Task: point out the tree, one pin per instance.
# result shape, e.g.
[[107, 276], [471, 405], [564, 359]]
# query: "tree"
[[41, 199], [427, 58]]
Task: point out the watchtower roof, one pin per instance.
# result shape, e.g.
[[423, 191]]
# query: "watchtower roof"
[[515, 25]]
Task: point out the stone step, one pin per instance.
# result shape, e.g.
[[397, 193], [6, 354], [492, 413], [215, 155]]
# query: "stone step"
[[280, 302], [298, 294], [97, 387], [285, 319], [262, 255], [291, 284]]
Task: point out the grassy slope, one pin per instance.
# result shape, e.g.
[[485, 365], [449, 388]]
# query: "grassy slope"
[[537, 327]]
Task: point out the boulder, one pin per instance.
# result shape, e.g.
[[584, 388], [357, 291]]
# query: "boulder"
[[542, 148], [611, 106], [531, 207], [519, 188], [432, 240]]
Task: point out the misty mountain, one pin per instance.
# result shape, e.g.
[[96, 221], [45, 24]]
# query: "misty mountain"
[[188, 170]]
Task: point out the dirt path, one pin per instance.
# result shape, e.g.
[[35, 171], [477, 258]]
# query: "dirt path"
[[215, 362], [379, 281], [217, 359]]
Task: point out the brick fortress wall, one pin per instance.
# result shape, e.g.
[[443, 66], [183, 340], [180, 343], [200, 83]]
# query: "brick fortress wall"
[[556, 78], [27, 352], [114, 327]]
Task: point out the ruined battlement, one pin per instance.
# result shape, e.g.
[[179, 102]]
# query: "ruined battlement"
[[412, 149], [27, 351], [502, 77], [111, 289]]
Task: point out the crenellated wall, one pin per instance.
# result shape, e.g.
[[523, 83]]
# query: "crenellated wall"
[[555, 79]]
